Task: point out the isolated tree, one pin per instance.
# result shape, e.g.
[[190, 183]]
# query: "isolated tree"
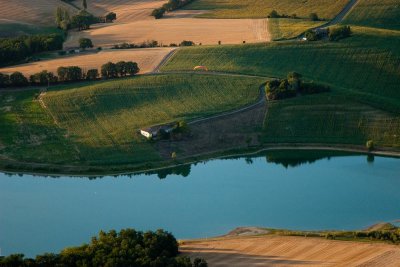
[[158, 13], [110, 17], [274, 14], [370, 145], [294, 80], [314, 17], [85, 43]]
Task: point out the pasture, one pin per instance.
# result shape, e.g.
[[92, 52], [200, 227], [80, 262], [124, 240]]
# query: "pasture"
[[326, 9], [373, 13], [366, 64], [289, 28], [147, 59], [97, 123], [329, 118]]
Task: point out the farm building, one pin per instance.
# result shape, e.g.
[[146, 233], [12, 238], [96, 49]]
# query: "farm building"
[[156, 130]]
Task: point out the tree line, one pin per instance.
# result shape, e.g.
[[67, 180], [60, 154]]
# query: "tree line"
[[171, 5], [70, 74], [81, 20], [114, 249], [332, 33], [16, 49], [292, 86]]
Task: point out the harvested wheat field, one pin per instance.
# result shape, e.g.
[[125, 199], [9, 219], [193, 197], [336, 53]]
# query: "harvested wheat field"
[[39, 12], [174, 30], [147, 59], [126, 10], [269, 250]]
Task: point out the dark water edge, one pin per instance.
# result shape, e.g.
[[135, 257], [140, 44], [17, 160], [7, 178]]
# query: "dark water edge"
[[299, 190]]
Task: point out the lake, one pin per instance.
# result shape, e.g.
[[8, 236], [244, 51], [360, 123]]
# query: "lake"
[[295, 190]]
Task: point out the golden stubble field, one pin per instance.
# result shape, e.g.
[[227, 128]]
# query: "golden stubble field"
[[135, 25], [38, 12], [147, 59], [290, 251]]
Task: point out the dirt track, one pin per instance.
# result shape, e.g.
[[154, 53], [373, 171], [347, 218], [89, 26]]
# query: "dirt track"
[[291, 251]]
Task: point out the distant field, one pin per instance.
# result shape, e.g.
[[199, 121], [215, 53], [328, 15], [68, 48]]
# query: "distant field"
[[10, 29], [329, 118], [147, 59], [38, 12], [289, 28], [376, 13], [367, 64], [175, 30], [326, 9], [98, 123], [126, 10]]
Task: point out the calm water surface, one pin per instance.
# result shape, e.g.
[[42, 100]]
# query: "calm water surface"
[[44, 214]]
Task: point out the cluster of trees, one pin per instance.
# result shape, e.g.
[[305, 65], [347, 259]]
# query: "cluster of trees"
[[119, 69], [17, 49], [275, 15], [81, 20], [146, 44], [70, 74], [333, 34], [291, 87], [113, 249], [170, 6], [340, 32], [383, 235]]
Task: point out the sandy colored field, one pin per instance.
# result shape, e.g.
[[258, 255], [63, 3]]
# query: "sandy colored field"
[[147, 60], [126, 10], [39, 12], [174, 30], [291, 251]]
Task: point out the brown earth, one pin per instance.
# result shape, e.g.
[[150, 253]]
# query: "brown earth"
[[40, 12], [271, 250], [147, 59], [231, 131]]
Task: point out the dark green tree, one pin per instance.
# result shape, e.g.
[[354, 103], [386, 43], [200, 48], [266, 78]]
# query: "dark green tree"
[[131, 68], [84, 4], [92, 74], [109, 70], [85, 43], [18, 79], [314, 17]]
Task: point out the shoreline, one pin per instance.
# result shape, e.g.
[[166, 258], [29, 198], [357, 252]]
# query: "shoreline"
[[215, 155]]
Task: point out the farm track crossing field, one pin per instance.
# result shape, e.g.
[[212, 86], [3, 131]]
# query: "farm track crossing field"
[[376, 13], [326, 9], [366, 64], [99, 122], [147, 59]]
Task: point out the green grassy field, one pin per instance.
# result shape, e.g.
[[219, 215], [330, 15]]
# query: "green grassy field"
[[366, 64], [18, 29], [326, 9], [98, 123], [373, 13], [329, 118]]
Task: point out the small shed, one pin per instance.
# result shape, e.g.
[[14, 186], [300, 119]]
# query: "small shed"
[[156, 130]]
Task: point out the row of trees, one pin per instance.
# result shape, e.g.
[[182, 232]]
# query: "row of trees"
[[70, 74], [275, 14], [17, 49], [170, 6], [291, 87], [81, 20], [113, 249]]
